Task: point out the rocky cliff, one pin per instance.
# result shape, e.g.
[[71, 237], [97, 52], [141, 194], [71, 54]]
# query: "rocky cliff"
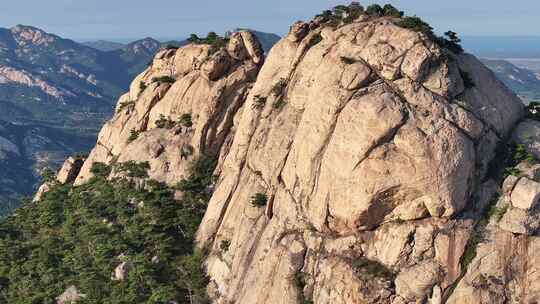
[[355, 164]]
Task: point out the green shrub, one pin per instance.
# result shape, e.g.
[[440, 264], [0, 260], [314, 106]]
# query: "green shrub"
[[390, 11], [193, 38], [374, 10], [164, 123], [126, 105], [259, 200], [279, 88], [451, 42], [80, 156], [171, 47], [48, 175], [142, 86], [200, 178], [300, 283], [315, 39], [214, 40], [224, 245], [164, 79], [133, 169], [133, 135], [100, 169], [259, 102], [497, 213], [467, 79], [185, 120], [67, 240], [279, 103], [416, 24], [507, 157], [347, 60]]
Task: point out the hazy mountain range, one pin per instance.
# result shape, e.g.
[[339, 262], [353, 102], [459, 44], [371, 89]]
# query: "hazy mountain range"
[[55, 93], [524, 82]]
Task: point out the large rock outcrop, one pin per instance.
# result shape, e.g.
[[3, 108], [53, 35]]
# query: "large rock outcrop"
[[352, 164], [206, 88], [369, 145]]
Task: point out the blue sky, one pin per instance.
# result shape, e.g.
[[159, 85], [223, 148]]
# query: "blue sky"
[[117, 19]]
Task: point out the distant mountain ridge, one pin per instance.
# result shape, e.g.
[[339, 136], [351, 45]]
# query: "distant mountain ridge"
[[53, 77], [524, 82], [104, 45]]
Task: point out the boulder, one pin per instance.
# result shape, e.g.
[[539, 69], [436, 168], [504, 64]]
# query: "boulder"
[[298, 31], [520, 221], [216, 67], [525, 194], [416, 283], [70, 296], [44, 188], [70, 169], [121, 271]]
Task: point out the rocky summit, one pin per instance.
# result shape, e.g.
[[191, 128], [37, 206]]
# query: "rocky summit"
[[364, 160]]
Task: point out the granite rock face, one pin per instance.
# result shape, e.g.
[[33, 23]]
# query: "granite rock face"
[[368, 147], [368, 143]]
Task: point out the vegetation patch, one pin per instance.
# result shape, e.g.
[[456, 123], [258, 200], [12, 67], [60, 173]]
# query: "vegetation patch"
[[171, 47], [67, 239], [133, 135], [142, 86], [450, 40], [315, 39], [165, 122], [164, 79], [341, 14], [507, 157], [133, 169], [100, 169], [214, 40], [373, 269], [200, 179], [347, 60], [126, 105], [224, 245], [185, 120], [259, 200], [279, 103], [300, 283], [279, 88], [467, 79], [259, 102]]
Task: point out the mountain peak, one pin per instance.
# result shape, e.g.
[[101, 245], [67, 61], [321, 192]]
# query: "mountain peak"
[[147, 45], [25, 34]]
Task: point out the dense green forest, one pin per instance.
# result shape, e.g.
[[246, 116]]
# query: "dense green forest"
[[77, 236]]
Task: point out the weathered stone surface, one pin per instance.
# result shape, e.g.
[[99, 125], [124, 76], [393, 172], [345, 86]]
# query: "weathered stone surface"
[[505, 270], [415, 283], [368, 143], [70, 169], [525, 194], [70, 296], [44, 188], [520, 221], [361, 163], [210, 88]]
